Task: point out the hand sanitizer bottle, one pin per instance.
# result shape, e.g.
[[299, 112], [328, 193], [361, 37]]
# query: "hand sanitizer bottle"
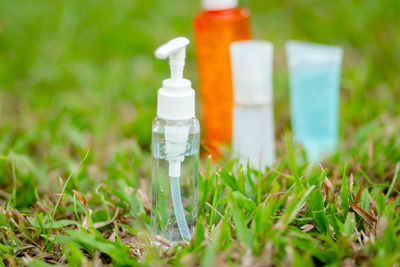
[[175, 152], [253, 117]]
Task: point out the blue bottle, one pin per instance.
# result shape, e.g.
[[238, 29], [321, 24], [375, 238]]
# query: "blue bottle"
[[314, 79]]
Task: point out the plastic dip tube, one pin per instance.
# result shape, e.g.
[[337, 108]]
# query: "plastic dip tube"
[[253, 118], [314, 79]]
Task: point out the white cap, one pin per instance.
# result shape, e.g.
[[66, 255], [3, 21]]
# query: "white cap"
[[176, 99], [306, 55], [252, 72], [219, 4]]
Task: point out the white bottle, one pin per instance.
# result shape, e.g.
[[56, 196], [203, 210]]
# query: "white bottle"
[[175, 150], [253, 117]]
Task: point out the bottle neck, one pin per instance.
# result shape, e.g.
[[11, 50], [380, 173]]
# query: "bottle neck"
[[220, 11], [170, 122]]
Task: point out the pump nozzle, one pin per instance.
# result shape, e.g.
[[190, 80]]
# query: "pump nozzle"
[[175, 50], [176, 97]]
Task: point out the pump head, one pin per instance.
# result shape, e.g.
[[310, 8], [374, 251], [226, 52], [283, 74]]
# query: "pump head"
[[175, 50], [176, 97]]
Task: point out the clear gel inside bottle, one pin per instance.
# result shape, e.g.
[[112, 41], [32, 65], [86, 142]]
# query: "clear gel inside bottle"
[[174, 179]]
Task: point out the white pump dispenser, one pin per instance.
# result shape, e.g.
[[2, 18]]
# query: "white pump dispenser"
[[176, 97], [176, 137], [176, 101]]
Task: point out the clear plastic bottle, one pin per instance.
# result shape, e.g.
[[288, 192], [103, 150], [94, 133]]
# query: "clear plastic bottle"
[[175, 152], [164, 219]]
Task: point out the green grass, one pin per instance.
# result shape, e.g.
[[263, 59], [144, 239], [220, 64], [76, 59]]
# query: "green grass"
[[78, 85]]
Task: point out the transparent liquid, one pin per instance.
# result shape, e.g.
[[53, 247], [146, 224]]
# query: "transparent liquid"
[[164, 223], [314, 106]]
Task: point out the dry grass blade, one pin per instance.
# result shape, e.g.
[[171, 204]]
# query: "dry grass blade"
[[264, 177], [373, 208], [4, 194], [370, 151], [282, 174], [307, 227], [351, 183], [358, 197], [162, 240], [216, 211], [102, 224], [328, 190], [81, 198], [368, 217]]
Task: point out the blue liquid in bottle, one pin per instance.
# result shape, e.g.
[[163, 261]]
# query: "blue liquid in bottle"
[[314, 101]]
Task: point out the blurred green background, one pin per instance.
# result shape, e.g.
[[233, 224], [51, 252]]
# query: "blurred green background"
[[78, 75]]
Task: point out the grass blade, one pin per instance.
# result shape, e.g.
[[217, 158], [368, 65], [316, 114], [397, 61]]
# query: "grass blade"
[[344, 194], [391, 187], [211, 252], [239, 222]]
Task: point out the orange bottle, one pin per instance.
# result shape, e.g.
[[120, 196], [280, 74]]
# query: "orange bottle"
[[215, 28]]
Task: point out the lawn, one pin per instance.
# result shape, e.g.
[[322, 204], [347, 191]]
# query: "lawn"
[[78, 83]]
